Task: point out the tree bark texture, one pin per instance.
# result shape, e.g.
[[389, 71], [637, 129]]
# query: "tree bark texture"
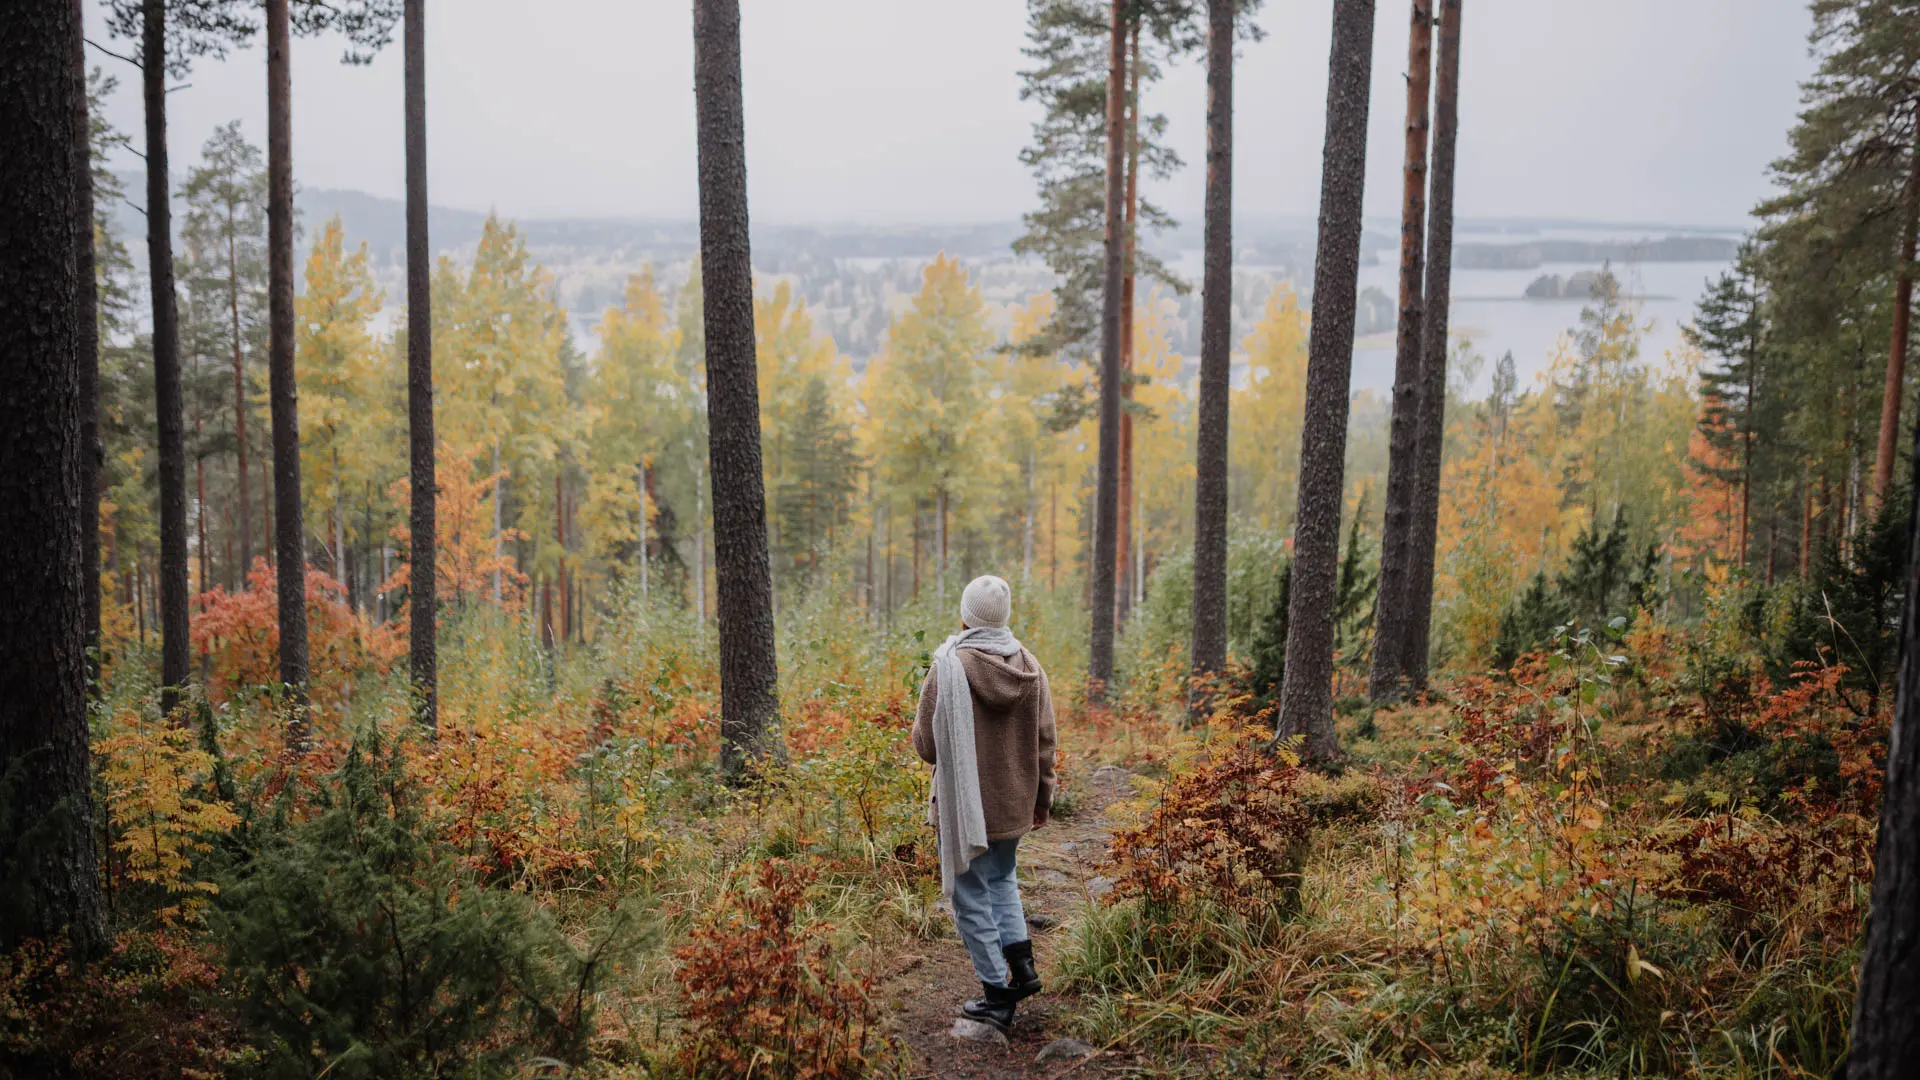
[[283, 396], [1124, 554], [89, 352], [1216, 350], [168, 397], [1306, 697], [749, 676], [1902, 320], [1886, 1040], [44, 769], [1106, 502], [1390, 623], [423, 648], [1433, 349]]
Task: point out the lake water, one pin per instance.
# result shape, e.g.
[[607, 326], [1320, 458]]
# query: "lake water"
[[1489, 311]]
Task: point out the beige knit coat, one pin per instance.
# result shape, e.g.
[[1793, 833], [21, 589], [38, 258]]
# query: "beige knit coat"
[[1013, 738]]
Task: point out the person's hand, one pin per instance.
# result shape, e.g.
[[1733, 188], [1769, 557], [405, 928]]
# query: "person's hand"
[[1039, 818]]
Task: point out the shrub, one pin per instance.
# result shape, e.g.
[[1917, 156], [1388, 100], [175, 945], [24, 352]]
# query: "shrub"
[[1848, 613], [1231, 830], [358, 948], [1605, 578], [760, 1000], [1755, 866], [1269, 665], [240, 635], [1353, 797], [872, 781], [162, 809], [150, 1007]]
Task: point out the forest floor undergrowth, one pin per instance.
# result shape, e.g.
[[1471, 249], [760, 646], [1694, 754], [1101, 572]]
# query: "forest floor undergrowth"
[[1601, 863], [1060, 873]]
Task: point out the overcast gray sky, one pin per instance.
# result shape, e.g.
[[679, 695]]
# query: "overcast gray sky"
[[909, 110]]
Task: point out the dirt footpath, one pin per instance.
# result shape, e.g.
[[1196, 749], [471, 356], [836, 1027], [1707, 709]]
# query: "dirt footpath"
[[1057, 875]]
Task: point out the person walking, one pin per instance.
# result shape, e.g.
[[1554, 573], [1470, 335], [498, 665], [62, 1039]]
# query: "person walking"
[[985, 724]]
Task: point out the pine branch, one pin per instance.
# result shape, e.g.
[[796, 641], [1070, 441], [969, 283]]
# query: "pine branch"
[[116, 55]]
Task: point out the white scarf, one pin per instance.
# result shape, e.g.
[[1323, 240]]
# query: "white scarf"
[[956, 811]]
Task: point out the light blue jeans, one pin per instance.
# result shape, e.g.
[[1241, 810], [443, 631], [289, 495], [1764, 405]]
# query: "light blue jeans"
[[986, 908]]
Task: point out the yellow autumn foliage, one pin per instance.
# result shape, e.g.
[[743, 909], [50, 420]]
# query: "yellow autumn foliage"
[[160, 806]]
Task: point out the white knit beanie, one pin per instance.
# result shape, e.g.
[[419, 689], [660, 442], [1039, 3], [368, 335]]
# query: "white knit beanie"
[[987, 602]]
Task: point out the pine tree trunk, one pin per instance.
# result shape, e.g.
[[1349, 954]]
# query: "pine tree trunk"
[[1886, 1041], [200, 508], [1391, 621], [366, 583], [1106, 503], [1123, 531], [1433, 349], [239, 406], [88, 316], [1216, 356], [1306, 697], [422, 519], [44, 214], [1902, 319], [699, 548], [266, 514], [283, 397], [749, 679], [1806, 523], [169, 400], [1746, 461]]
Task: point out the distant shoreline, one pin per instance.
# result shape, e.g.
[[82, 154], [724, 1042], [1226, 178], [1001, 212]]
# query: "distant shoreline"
[[1556, 299]]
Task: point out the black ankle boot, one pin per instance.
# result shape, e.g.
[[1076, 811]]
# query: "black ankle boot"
[[995, 1008], [1023, 979]]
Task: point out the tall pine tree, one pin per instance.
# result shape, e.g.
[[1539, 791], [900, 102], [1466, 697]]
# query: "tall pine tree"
[[422, 522], [749, 677], [1389, 676], [49, 885], [1729, 325], [1306, 698], [1209, 648], [1433, 347], [171, 35], [1849, 216], [1106, 498], [225, 237]]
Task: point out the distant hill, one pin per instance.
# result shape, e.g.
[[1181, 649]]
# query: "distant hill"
[[1284, 243], [381, 222], [856, 278]]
